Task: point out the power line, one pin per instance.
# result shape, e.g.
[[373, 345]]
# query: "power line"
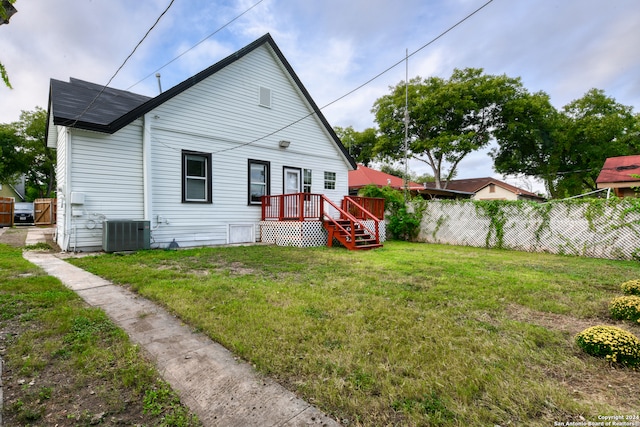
[[430, 42], [195, 45], [123, 63]]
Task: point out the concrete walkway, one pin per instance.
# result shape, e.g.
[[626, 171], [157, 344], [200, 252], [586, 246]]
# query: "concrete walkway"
[[218, 388]]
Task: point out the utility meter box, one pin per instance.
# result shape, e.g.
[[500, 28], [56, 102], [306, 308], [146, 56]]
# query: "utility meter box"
[[76, 198]]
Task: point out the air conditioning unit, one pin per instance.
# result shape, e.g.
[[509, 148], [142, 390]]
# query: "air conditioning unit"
[[125, 235]]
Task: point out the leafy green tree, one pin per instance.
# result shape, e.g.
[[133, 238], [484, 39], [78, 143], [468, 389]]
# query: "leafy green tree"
[[41, 159], [13, 161], [567, 148], [527, 137], [597, 127], [23, 150], [393, 170], [6, 10], [359, 144], [447, 119]]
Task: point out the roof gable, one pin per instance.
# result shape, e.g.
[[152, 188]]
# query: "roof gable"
[[113, 109], [620, 169]]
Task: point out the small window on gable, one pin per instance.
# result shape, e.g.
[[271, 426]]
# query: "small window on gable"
[[492, 188], [196, 177], [264, 97], [329, 180]]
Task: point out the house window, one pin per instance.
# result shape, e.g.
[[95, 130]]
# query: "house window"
[[329, 180], [492, 188], [196, 177], [259, 181], [306, 180]]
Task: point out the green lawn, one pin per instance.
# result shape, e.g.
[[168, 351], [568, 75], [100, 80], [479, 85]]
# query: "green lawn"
[[66, 364], [409, 334]]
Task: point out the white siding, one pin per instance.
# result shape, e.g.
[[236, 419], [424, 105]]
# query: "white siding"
[[499, 193], [108, 170], [61, 145], [222, 116]]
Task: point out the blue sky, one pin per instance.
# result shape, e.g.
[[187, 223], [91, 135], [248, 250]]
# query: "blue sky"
[[561, 47]]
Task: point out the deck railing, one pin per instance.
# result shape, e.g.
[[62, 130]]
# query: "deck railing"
[[367, 207], [292, 207], [314, 207]]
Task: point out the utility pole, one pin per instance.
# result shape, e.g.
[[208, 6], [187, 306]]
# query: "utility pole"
[[406, 127]]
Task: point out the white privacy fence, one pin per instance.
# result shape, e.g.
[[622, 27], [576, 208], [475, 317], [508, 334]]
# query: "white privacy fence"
[[591, 228]]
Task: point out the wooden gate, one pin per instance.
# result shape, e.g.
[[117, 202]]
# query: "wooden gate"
[[6, 211], [44, 211]]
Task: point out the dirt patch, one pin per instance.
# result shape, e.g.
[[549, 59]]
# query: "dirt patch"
[[14, 236], [608, 383], [562, 322]]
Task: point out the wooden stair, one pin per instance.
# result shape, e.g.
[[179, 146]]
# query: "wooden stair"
[[351, 234]]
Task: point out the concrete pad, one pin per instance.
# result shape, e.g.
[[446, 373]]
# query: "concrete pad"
[[215, 385]]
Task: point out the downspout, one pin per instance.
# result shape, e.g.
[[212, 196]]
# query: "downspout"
[[146, 167]]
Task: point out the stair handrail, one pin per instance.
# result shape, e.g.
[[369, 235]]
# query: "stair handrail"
[[352, 219], [375, 219], [347, 215]]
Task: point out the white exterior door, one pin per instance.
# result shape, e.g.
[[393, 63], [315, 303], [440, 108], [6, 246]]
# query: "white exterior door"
[[292, 179]]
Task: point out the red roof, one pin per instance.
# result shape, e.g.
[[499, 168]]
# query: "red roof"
[[620, 169], [364, 176]]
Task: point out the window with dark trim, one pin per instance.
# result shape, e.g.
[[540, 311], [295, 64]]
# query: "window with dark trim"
[[329, 180], [306, 180], [259, 181], [196, 177]]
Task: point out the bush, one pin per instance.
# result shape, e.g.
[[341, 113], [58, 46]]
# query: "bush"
[[625, 308], [612, 343], [632, 287]]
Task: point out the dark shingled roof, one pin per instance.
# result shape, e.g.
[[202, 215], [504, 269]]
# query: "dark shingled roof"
[[114, 109], [473, 185], [69, 102]]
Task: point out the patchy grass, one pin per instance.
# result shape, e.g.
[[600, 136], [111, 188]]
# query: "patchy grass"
[[410, 334], [66, 364]]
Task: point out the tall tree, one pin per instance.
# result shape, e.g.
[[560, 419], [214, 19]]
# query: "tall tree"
[[567, 148], [13, 161], [6, 11], [528, 139], [41, 180], [359, 144], [447, 119]]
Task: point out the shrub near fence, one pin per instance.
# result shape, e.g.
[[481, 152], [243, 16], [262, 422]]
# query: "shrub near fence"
[[594, 228]]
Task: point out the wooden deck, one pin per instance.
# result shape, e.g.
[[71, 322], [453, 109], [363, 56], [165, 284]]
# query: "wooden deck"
[[355, 223]]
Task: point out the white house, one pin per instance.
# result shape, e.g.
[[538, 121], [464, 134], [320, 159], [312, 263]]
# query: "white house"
[[195, 160]]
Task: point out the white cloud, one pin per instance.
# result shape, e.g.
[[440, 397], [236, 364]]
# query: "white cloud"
[[563, 48]]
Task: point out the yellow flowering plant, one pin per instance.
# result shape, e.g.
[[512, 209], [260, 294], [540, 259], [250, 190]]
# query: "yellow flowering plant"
[[625, 308], [613, 343], [631, 287]]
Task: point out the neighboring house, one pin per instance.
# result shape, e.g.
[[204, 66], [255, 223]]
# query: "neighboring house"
[[363, 176], [15, 191], [622, 174], [195, 160], [490, 189]]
